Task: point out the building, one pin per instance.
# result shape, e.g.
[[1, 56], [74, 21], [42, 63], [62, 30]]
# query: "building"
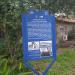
[[65, 29]]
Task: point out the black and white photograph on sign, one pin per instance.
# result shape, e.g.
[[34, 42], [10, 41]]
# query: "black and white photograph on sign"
[[46, 48], [33, 45]]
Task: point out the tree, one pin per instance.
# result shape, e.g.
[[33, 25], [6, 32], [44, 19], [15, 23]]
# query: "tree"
[[10, 17]]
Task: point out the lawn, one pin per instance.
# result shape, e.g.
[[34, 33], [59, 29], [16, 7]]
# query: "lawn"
[[64, 65]]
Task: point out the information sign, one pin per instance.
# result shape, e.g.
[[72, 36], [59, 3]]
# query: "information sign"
[[39, 35]]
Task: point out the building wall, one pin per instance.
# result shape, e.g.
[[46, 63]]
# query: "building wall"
[[63, 29]]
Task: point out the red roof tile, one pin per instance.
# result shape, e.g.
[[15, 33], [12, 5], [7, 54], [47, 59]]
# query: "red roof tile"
[[66, 20]]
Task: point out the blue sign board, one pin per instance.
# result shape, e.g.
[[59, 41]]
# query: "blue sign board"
[[39, 35]]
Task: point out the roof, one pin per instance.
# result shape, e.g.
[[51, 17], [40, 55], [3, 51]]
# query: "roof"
[[67, 20]]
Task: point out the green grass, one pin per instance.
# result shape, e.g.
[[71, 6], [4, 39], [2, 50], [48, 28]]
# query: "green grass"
[[64, 65]]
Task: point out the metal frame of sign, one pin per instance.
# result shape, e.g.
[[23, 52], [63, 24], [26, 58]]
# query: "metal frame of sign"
[[25, 42]]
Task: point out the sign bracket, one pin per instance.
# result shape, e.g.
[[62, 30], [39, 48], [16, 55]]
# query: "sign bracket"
[[45, 71]]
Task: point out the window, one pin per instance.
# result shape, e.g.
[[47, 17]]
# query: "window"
[[61, 28]]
